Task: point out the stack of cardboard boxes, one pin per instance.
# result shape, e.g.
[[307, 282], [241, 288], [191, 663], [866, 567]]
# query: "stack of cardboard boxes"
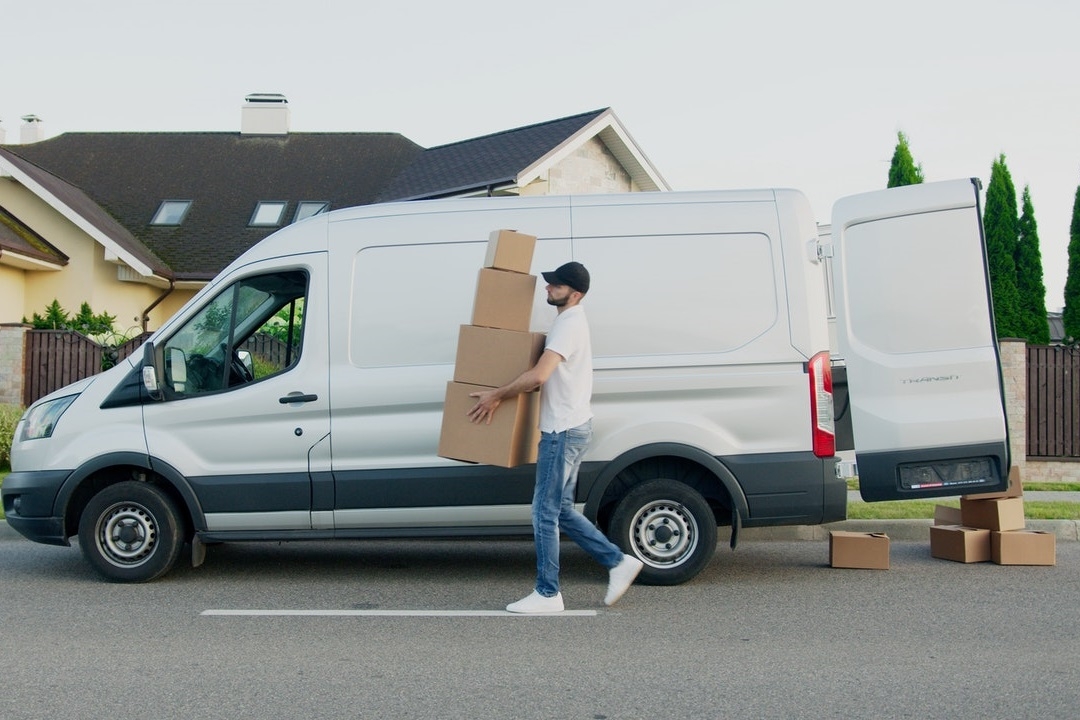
[[985, 527], [990, 526], [492, 351]]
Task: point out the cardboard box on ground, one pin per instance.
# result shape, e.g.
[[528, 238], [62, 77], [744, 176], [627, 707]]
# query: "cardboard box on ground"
[[990, 526], [858, 550], [492, 351]]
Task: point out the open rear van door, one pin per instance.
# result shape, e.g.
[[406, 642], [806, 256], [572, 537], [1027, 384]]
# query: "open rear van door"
[[915, 324]]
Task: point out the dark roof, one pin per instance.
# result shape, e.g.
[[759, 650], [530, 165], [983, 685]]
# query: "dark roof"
[[483, 162], [116, 181], [17, 237], [225, 175], [87, 208]]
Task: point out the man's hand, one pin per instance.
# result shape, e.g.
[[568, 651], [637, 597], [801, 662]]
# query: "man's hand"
[[484, 409]]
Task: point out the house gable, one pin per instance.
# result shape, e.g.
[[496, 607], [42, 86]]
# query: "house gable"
[[22, 248], [508, 161]]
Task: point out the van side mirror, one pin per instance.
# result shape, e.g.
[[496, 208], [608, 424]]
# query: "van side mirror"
[[149, 371]]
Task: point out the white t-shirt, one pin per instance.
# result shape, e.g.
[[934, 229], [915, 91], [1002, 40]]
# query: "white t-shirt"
[[565, 397]]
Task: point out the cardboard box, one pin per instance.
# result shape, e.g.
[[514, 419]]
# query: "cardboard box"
[[946, 515], [504, 299], [1015, 489], [494, 357], [994, 514], [1023, 547], [960, 544], [510, 250], [858, 550], [509, 440]]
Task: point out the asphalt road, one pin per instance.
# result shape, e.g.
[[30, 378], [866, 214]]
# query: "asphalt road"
[[766, 631]]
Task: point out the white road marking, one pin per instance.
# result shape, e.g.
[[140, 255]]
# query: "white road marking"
[[391, 613]]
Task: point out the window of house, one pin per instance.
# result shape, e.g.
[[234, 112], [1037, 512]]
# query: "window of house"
[[307, 208], [171, 212], [268, 213]]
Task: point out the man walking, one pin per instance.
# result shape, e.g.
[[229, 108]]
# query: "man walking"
[[564, 374]]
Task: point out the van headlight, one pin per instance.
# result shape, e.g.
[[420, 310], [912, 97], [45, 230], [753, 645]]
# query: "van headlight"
[[40, 420]]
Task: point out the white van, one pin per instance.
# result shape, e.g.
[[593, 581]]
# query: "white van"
[[299, 395]]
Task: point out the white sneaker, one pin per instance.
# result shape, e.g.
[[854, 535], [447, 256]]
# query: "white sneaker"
[[621, 577], [536, 604]]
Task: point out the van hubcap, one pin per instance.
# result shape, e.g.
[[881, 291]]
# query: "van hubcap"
[[664, 533], [128, 533]]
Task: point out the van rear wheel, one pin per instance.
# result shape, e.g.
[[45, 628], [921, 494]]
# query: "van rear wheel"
[[131, 532], [668, 526]]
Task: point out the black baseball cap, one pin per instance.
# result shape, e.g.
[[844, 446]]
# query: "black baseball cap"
[[572, 274]]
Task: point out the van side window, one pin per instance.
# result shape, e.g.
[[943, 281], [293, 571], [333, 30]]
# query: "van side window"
[[249, 331]]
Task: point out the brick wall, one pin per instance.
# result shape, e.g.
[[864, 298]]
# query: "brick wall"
[[590, 169], [12, 344]]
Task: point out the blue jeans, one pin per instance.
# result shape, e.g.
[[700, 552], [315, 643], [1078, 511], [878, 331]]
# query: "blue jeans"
[[557, 463]]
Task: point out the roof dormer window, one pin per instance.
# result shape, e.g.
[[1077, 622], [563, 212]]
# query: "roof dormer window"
[[308, 208], [171, 212], [268, 213]]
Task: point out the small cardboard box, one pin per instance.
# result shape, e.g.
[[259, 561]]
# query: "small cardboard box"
[[1015, 489], [494, 357], [1023, 547], [960, 544], [510, 250], [946, 515], [994, 514], [510, 440], [858, 550], [504, 299]]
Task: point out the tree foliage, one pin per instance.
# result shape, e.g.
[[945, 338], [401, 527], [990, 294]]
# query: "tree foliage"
[[1002, 234], [1029, 276], [85, 322], [903, 170], [1071, 316]]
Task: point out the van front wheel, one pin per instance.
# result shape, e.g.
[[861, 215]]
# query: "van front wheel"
[[669, 527], [131, 532]]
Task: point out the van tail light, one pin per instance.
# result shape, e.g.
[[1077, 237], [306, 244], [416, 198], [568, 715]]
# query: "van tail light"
[[821, 405]]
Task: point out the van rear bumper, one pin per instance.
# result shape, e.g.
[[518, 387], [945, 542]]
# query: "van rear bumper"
[[29, 498]]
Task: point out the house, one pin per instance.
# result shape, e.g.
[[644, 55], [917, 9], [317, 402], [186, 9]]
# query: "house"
[[135, 223]]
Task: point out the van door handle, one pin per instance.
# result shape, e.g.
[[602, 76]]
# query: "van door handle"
[[297, 397]]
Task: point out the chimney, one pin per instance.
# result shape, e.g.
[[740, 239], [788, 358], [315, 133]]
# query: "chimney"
[[3, 133], [32, 130], [264, 114]]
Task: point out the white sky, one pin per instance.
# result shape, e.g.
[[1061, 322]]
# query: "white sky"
[[717, 93]]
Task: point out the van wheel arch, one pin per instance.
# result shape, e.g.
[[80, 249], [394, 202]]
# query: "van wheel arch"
[[686, 464], [98, 474]]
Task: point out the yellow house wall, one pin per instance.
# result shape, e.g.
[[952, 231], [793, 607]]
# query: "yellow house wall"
[[87, 277], [12, 290]]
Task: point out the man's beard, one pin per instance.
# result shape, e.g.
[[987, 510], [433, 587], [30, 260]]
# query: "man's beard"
[[558, 302]]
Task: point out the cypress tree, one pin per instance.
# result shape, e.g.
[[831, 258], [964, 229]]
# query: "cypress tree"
[[903, 170], [1071, 316], [1002, 232], [1029, 276]]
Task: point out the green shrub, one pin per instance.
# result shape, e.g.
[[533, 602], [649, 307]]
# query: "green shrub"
[[9, 417]]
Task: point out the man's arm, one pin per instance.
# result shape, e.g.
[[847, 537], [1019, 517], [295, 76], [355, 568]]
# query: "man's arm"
[[534, 377]]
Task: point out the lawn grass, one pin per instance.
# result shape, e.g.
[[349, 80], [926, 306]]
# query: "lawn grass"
[[924, 509]]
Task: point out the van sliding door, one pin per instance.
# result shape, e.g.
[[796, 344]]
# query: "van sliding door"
[[915, 325]]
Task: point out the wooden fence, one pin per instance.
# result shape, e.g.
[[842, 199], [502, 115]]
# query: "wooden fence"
[[55, 358], [1053, 399]]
